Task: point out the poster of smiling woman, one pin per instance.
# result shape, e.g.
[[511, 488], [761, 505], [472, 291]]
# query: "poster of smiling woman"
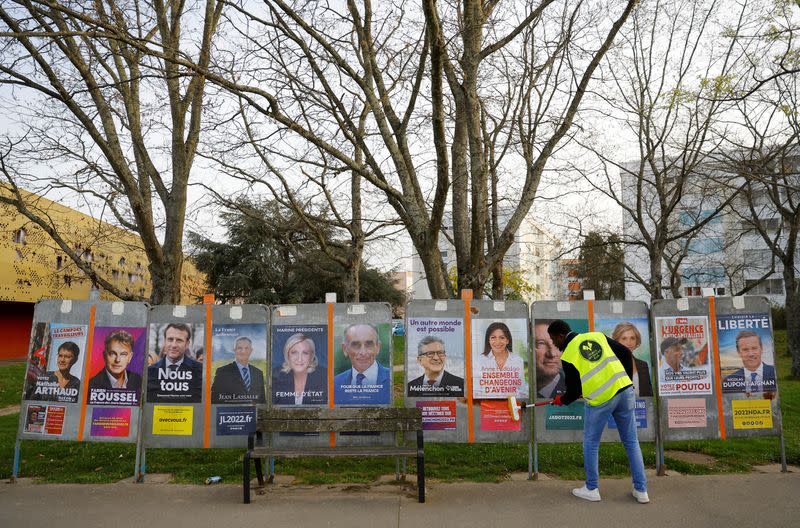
[[299, 365], [499, 354]]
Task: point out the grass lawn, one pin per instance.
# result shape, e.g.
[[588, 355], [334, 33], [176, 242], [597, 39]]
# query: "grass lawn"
[[73, 462]]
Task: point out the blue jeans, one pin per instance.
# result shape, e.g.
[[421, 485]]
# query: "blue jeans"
[[621, 407]]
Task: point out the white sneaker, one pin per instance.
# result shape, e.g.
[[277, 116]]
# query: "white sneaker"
[[641, 496], [587, 494]]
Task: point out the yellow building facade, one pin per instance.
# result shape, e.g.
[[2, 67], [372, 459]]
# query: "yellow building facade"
[[33, 267]]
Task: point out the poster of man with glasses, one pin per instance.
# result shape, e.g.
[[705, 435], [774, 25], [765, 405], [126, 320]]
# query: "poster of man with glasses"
[[435, 357]]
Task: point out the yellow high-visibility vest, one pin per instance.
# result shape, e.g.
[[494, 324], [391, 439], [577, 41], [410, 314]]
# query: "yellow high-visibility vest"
[[602, 373]]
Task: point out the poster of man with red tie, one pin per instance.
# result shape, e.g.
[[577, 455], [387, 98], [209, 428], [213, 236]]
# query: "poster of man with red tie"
[[746, 353], [435, 349]]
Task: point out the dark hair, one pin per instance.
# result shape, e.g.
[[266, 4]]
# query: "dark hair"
[[489, 331], [120, 336], [745, 334], [183, 327], [72, 348], [558, 327]]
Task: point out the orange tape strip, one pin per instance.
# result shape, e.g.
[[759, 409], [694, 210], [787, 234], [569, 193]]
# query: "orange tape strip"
[[714, 350], [466, 296], [207, 384], [332, 438], [85, 380], [590, 317]]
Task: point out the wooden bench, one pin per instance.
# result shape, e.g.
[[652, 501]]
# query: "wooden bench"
[[325, 420]]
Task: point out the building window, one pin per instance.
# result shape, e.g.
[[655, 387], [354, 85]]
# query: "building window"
[[19, 255], [693, 291], [67, 280], [766, 287], [59, 262], [122, 261], [20, 236], [719, 291], [115, 274], [767, 224], [706, 246], [87, 256]]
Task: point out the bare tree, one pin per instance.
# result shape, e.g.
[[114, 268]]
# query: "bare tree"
[[460, 98], [764, 153], [321, 194], [672, 194], [105, 110]]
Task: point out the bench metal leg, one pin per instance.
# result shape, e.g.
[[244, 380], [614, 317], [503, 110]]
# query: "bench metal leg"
[[246, 478], [259, 472], [420, 467]]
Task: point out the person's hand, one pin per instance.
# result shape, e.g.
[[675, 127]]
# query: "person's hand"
[[557, 400]]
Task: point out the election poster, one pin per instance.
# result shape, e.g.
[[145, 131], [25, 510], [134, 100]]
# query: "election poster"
[[239, 360], [684, 362], [362, 364], [751, 414], [564, 417], [550, 380], [438, 415], [54, 420], [495, 416], [111, 421], [236, 421], [639, 414], [686, 412], [116, 363], [634, 333], [746, 353], [435, 349], [175, 374], [56, 363], [173, 420], [34, 418], [300, 365], [499, 357]]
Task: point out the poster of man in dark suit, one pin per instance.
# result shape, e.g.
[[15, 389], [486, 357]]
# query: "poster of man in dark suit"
[[364, 381], [176, 377], [755, 375], [116, 383], [435, 381], [239, 381]]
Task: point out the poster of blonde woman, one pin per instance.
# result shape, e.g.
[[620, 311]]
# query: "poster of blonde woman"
[[499, 358]]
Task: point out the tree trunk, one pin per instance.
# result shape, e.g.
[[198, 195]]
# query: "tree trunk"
[[792, 308], [656, 276], [435, 274], [497, 282]]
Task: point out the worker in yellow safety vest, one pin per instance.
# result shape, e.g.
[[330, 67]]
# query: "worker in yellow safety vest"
[[600, 369]]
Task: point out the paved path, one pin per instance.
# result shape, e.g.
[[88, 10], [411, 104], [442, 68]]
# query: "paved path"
[[726, 501], [11, 409]]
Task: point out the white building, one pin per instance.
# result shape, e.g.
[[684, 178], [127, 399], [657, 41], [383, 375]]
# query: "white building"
[[726, 254], [535, 251]]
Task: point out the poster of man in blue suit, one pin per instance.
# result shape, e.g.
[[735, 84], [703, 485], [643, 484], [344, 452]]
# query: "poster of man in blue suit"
[[361, 375], [746, 353]]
